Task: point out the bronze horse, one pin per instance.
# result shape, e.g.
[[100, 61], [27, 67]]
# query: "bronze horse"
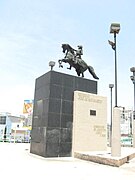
[[79, 65]]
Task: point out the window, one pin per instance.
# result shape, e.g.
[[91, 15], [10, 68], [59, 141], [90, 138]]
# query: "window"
[[92, 112]]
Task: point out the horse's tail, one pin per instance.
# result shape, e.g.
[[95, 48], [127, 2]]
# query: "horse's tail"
[[91, 70]]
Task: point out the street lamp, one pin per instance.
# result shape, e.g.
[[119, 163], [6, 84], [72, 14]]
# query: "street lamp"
[[115, 28], [52, 64], [111, 86], [133, 80]]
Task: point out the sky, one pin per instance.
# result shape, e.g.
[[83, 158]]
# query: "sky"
[[31, 34]]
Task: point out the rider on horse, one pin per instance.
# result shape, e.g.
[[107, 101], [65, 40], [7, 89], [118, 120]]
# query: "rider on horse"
[[74, 55], [73, 58], [78, 54]]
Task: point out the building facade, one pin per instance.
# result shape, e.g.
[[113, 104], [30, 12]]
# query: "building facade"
[[12, 128]]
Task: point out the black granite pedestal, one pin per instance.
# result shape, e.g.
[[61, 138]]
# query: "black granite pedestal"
[[51, 134]]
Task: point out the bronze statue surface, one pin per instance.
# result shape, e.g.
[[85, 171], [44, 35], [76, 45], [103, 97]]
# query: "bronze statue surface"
[[73, 58]]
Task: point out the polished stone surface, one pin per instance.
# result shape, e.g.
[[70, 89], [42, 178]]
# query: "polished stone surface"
[[53, 112]]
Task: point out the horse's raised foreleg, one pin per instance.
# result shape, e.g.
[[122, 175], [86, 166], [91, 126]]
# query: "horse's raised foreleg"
[[60, 63]]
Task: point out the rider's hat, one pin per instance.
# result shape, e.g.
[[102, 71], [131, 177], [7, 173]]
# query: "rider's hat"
[[79, 46]]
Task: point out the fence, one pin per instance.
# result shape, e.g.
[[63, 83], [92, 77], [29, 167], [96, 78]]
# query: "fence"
[[15, 138]]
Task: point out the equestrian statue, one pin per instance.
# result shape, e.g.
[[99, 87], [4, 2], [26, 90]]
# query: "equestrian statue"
[[73, 58]]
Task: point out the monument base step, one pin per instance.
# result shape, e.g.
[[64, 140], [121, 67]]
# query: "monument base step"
[[105, 157]]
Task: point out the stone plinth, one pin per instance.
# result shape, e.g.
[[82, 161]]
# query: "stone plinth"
[[52, 122]]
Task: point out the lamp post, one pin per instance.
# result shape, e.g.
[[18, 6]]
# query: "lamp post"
[[111, 86], [52, 64], [115, 28], [115, 140], [133, 80]]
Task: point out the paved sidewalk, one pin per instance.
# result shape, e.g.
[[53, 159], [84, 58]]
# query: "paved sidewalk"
[[18, 164]]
